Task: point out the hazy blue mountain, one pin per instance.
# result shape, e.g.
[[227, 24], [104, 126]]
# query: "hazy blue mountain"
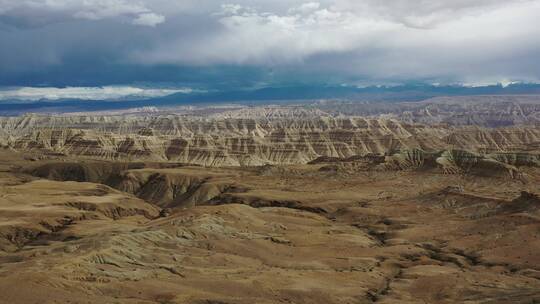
[[283, 94]]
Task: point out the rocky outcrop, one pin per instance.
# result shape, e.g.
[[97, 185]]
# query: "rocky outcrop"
[[163, 187], [459, 162], [505, 165]]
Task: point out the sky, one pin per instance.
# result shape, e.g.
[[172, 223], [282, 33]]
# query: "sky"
[[129, 48]]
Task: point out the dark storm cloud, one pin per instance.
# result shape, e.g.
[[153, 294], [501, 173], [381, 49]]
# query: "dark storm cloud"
[[251, 42]]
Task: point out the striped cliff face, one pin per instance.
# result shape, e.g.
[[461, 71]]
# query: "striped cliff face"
[[249, 142]]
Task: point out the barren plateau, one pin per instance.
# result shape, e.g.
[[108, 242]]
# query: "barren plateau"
[[430, 202]]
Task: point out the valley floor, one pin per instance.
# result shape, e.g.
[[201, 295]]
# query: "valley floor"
[[171, 233]]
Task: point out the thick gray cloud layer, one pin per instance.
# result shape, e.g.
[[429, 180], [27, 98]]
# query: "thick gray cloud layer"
[[53, 10], [472, 41]]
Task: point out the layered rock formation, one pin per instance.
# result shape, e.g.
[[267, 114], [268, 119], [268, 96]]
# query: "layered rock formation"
[[248, 142], [293, 206], [485, 111]]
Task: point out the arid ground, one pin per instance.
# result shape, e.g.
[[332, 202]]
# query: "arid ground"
[[273, 205]]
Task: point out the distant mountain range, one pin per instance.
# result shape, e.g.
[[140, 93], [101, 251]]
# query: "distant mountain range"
[[284, 94]]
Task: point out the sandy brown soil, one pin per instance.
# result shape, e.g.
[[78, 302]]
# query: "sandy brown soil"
[[271, 234]]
